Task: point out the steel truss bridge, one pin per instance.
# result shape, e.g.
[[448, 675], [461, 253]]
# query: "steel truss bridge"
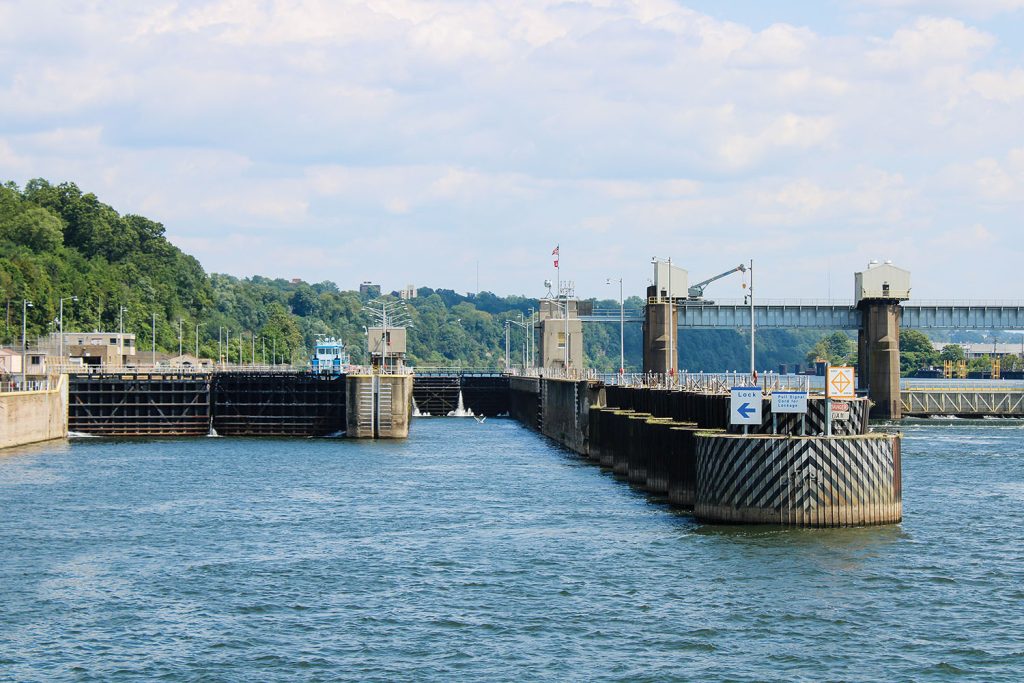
[[832, 315]]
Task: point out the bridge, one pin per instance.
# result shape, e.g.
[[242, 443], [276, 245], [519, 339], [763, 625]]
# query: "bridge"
[[880, 310], [830, 315]]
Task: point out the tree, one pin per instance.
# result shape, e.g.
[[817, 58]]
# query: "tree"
[[916, 352], [837, 348], [952, 352]]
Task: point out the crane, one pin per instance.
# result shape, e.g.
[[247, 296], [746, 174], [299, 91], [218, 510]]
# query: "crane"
[[697, 291]]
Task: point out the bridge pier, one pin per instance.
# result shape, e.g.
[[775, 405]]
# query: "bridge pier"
[[661, 337], [878, 356]]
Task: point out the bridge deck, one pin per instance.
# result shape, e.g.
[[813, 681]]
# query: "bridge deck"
[[833, 315]]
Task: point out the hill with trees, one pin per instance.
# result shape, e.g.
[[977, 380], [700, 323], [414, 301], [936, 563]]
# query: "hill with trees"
[[57, 241]]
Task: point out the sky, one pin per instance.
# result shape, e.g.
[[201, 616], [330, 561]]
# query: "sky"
[[423, 142]]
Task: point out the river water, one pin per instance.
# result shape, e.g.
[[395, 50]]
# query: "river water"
[[485, 552]]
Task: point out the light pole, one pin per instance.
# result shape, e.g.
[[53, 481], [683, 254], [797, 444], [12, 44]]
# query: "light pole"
[[180, 337], [67, 298], [622, 328], [153, 340], [753, 371], [25, 305], [120, 336], [531, 344], [507, 326], [197, 341], [227, 346]]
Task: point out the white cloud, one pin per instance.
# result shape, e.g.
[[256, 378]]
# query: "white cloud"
[[929, 42], [459, 130]]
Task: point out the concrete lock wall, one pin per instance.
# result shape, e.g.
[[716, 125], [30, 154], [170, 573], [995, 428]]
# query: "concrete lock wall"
[[565, 411], [794, 481], [524, 400], [32, 416]]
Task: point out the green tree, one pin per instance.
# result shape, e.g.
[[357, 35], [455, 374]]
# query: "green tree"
[[952, 352], [916, 352], [837, 348]]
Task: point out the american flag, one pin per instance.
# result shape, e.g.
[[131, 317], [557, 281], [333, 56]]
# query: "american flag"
[[554, 253]]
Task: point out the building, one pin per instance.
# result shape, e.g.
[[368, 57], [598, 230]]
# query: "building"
[[10, 362], [107, 349], [387, 347], [881, 282], [369, 289], [985, 349], [407, 292], [561, 338]]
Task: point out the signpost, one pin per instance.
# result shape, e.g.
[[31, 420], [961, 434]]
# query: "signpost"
[[789, 402], [745, 406], [839, 384]]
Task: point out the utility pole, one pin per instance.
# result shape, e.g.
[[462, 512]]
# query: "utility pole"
[[25, 305], [673, 354], [120, 335], [753, 370], [63, 299]]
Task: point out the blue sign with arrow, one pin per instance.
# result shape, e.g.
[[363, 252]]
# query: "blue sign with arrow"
[[745, 406]]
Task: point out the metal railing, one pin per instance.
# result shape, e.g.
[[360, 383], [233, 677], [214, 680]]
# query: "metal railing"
[[705, 382], [11, 386]]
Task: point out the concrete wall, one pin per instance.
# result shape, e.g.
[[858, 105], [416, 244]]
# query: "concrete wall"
[[878, 352], [32, 416], [524, 401], [378, 406], [565, 411], [552, 354], [394, 423], [659, 330], [797, 481]]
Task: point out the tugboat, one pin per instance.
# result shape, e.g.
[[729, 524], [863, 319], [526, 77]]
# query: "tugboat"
[[329, 357]]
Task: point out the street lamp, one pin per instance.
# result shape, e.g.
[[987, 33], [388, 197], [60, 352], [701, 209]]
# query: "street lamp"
[[67, 298], [120, 336], [622, 328], [25, 305]]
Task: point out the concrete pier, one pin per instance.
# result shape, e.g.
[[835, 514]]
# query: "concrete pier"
[[378, 406], [33, 416], [878, 353], [794, 481], [661, 337], [680, 444]]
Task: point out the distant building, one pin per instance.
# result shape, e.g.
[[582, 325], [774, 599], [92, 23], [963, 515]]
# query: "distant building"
[[369, 288], [983, 349], [296, 280], [109, 349], [407, 292], [10, 362]]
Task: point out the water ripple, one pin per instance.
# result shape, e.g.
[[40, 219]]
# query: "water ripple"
[[483, 552]]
